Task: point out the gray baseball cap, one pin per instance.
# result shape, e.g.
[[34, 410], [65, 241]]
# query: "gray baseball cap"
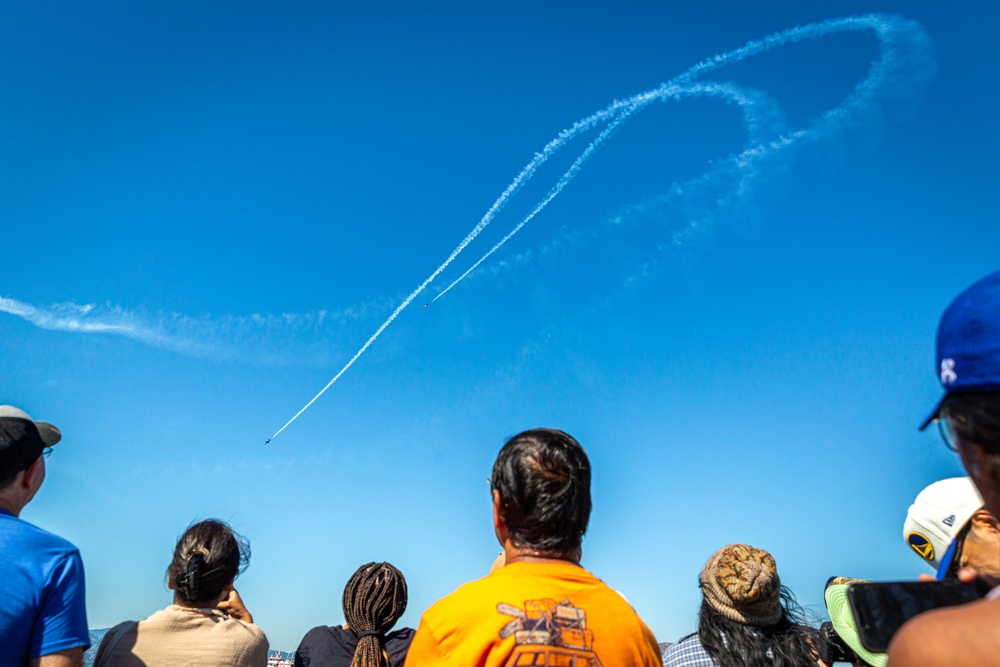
[[22, 439]]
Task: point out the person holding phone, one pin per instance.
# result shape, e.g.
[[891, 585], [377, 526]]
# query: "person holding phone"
[[968, 418]]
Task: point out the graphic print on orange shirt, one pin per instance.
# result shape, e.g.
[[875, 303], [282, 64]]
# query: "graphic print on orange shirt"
[[549, 634]]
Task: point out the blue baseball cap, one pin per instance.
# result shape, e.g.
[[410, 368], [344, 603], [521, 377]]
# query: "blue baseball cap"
[[968, 342]]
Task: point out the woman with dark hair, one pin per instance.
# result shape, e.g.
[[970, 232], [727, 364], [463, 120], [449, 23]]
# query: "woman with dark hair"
[[207, 624], [747, 618], [374, 599]]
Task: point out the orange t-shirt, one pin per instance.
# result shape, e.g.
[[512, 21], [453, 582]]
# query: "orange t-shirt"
[[551, 614]]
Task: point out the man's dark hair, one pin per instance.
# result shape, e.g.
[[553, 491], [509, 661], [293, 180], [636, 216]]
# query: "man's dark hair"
[[788, 643], [7, 481], [20, 446], [208, 557], [543, 477]]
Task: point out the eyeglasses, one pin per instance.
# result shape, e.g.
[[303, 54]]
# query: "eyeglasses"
[[47, 452], [489, 480], [948, 434]]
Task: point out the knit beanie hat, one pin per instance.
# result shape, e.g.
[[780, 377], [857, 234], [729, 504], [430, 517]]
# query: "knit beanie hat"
[[741, 583]]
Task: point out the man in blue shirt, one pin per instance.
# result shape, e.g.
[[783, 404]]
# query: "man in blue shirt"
[[43, 617]]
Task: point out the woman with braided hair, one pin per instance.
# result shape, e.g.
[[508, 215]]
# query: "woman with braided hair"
[[374, 599], [207, 624], [747, 618]]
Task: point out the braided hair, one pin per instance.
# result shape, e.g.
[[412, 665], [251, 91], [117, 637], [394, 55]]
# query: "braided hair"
[[374, 599], [208, 557]]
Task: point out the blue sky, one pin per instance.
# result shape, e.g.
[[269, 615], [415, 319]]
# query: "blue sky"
[[209, 210]]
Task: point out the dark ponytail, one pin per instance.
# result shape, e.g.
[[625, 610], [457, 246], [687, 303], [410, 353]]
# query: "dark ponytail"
[[208, 557], [374, 599]]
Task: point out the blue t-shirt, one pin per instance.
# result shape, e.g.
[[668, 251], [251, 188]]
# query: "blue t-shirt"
[[42, 602]]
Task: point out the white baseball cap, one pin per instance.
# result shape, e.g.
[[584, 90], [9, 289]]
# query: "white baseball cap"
[[937, 516]]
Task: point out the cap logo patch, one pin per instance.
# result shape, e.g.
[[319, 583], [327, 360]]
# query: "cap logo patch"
[[950, 521], [948, 374], [921, 545]]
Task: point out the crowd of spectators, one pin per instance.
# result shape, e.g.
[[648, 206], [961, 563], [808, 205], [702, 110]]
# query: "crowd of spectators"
[[538, 605]]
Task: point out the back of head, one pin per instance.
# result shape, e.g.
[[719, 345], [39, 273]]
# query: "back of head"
[[741, 583], [374, 599], [543, 478], [19, 447], [22, 441], [208, 558], [747, 617]]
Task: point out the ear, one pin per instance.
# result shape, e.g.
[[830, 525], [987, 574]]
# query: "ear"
[[983, 520], [34, 474], [975, 461], [499, 525]]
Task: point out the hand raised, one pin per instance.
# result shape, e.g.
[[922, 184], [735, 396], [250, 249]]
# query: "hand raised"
[[233, 605]]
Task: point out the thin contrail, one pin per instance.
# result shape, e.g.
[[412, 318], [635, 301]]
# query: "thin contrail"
[[888, 29]]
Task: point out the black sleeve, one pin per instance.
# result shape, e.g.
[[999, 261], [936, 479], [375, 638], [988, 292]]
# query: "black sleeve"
[[302, 652]]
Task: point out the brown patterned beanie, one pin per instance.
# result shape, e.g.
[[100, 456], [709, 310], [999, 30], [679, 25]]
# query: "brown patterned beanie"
[[741, 583]]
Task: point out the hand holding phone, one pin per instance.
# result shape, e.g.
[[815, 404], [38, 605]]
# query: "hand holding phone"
[[880, 609]]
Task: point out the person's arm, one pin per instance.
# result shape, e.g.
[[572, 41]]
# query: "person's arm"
[[954, 636], [61, 635], [233, 605], [71, 657]]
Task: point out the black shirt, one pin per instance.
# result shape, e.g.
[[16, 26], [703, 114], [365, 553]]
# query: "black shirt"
[[333, 646]]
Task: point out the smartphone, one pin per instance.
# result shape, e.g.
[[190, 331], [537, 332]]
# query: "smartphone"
[[880, 609]]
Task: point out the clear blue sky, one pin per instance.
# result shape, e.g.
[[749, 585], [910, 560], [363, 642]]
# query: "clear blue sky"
[[208, 209]]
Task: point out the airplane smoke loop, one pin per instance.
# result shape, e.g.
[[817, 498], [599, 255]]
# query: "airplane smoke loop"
[[903, 43]]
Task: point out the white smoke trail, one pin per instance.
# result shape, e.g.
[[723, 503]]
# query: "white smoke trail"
[[889, 29], [900, 39], [752, 117]]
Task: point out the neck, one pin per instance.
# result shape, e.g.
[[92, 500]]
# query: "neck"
[[11, 505], [202, 604], [513, 554]]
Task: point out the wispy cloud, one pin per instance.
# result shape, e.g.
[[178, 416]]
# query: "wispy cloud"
[[287, 338]]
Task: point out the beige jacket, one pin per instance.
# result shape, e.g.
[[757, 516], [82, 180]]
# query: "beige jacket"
[[183, 636]]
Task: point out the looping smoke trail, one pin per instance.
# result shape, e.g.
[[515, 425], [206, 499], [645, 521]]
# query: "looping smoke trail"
[[902, 42], [727, 91]]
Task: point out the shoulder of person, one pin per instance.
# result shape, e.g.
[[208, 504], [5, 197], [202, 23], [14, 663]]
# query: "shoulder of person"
[[403, 634], [962, 635], [256, 632], [314, 633], [42, 538], [111, 639]]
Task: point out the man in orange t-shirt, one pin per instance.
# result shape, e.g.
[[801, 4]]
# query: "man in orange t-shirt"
[[541, 607]]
